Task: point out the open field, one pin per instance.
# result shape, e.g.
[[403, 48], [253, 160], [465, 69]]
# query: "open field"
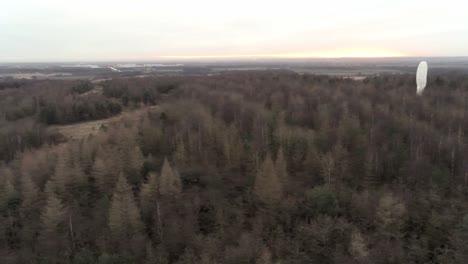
[[36, 75], [341, 67]]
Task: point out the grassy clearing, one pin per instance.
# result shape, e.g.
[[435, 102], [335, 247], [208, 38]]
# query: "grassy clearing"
[[84, 129]]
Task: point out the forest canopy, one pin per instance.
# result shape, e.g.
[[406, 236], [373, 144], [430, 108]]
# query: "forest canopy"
[[245, 167]]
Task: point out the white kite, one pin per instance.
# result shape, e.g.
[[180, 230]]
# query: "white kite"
[[421, 77]]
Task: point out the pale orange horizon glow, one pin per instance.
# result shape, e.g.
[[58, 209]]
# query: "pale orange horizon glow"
[[334, 54]]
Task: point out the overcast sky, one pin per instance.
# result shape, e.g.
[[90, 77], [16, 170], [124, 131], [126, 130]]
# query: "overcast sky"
[[53, 30]]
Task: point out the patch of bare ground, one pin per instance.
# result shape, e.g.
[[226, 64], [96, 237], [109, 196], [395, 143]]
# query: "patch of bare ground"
[[84, 129], [95, 90]]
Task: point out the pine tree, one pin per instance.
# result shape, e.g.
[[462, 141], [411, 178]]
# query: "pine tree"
[[188, 257], [60, 178], [52, 238], [268, 188], [265, 257], [281, 168], [357, 245], [148, 195], [206, 259], [29, 211], [237, 146], [312, 163], [77, 176], [154, 256], [29, 191], [390, 212], [136, 159], [124, 215], [9, 196], [7, 219], [132, 159], [180, 155], [9, 204], [100, 173], [114, 161], [6, 175], [327, 163], [53, 214], [169, 181], [37, 165], [87, 150], [232, 146]]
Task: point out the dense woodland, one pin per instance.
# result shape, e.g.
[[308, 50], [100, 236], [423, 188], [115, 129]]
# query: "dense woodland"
[[236, 168]]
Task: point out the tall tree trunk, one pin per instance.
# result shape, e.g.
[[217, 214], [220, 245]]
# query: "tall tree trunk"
[[70, 225]]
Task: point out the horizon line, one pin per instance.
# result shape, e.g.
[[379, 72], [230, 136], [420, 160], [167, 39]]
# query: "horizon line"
[[215, 58]]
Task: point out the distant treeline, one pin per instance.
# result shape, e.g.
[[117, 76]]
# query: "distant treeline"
[[10, 83], [139, 90], [78, 111]]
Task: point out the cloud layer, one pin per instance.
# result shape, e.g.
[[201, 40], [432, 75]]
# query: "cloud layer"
[[53, 30]]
